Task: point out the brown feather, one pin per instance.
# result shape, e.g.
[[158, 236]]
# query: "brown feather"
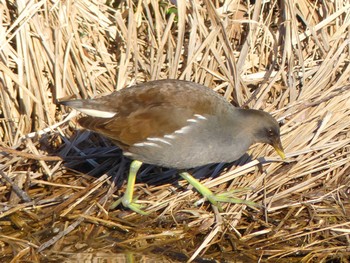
[[156, 109]]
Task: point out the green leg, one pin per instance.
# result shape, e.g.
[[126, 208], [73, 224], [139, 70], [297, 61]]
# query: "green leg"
[[127, 199], [212, 198]]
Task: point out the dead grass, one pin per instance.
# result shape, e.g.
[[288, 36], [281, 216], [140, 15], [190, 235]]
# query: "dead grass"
[[290, 58]]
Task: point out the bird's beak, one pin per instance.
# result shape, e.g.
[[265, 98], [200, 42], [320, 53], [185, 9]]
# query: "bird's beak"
[[277, 144]]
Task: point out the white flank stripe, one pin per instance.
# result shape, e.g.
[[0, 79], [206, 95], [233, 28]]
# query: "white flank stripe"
[[143, 144], [158, 140], [169, 136], [183, 130], [192, 120], [97, 113], [200, 117]]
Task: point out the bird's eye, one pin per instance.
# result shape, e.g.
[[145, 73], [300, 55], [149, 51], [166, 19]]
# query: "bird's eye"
[[270, 132]]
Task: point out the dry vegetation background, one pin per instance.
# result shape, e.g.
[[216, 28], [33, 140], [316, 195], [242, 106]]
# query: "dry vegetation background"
[[290, 58]]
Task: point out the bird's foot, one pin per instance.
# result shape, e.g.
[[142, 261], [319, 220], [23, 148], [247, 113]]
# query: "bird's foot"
[[131, 204], [215, 199]]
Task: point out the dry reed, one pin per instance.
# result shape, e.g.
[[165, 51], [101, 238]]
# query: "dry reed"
[[290, 58]]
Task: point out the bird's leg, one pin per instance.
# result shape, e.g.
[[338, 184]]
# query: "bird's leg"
[[210, 196], [127, 199]]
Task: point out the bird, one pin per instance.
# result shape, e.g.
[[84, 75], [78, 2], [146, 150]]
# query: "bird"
[[176, 124]]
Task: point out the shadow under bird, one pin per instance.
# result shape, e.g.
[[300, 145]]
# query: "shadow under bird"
[[176, 124]]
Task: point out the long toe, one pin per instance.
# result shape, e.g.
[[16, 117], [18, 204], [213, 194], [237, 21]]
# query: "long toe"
[[133, 206], [224, 198]]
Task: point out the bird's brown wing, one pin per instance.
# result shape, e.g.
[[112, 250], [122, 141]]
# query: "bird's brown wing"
[[139, 125], [156, 109], [161, 95]]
